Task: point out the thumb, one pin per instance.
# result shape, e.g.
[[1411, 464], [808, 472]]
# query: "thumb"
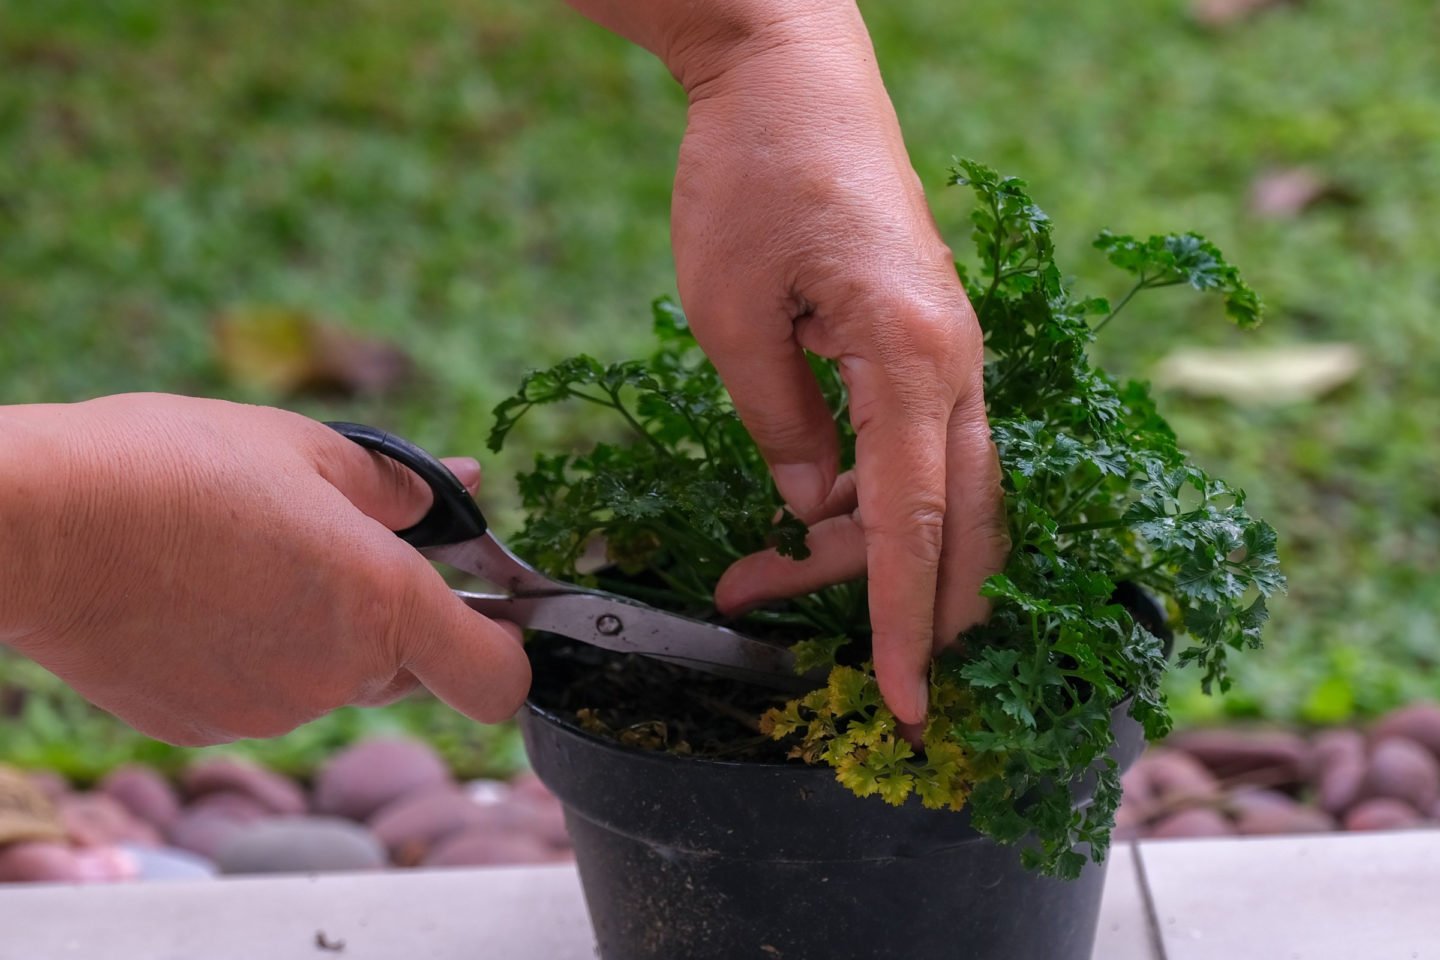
[[474, 664], [780, 403]]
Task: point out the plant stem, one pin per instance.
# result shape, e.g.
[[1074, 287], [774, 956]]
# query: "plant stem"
[[638, 427], [1067, 528], [1079, 499], [1121, 305]]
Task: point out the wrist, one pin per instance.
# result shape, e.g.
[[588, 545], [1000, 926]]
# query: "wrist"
[[718, 42], [701, 41]]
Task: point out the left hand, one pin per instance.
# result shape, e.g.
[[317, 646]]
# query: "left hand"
[[798, 224]]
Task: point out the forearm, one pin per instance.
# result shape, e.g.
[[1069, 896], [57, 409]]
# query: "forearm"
[[699, 40]]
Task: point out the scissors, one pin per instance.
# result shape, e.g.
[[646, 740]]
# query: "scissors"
[[454, 532]]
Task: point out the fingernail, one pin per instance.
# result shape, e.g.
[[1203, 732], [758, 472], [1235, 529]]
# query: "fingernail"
[[466, 470], [802, 486], [731, 596]]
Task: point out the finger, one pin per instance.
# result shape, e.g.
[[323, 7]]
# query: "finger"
[[900, 475], [841, 501], [837, 554], [976, 542], [405, 683], [381, 487], [466, 470], [780, 403], [474, 664]]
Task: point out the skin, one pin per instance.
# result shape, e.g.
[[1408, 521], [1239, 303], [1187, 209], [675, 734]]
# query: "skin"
[[208, 571], [798, 224]]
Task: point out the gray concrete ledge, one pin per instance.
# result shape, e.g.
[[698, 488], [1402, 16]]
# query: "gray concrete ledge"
[[1340, 897]]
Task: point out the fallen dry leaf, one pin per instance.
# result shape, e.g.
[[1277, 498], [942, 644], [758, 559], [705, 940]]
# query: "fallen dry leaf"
[[1223, 13], [25, 813], [1284, 194], [1274, 376], [287, 351]]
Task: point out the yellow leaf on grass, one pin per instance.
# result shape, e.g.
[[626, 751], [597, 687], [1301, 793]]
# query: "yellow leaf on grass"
[[286, 351]]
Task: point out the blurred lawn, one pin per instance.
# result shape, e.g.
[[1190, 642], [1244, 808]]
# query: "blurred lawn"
[[487, 181]]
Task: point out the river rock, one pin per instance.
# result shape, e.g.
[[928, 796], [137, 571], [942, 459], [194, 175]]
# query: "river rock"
[[1274, 758], [51, 785], [549, 812], [486, 792], [1382, 813], [169, 863], [1419, 722], [240, 807], [413, 825], [1341, 768], [526, 784], [1194, 822], [277, 794], [26, 813], [1267, 812], [300, 845], [485, 847], [44, 861], [144, 792], [97, 819], [357, 782], [1178, 778], [1129, 823], [1136, 788], [545, 819], [202, 832], [1402, 769]]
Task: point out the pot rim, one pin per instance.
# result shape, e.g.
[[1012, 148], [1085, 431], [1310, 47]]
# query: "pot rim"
[[614, 746]]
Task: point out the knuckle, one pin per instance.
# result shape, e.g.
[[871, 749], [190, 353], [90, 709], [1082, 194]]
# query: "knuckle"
[[793, 434], [382, 616], [402, 483], [397, 617], [919, 529]]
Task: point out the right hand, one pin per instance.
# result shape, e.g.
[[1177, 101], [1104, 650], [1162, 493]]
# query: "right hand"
[[208, 571], [798, 225]]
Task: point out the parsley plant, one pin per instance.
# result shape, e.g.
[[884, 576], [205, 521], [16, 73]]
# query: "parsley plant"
[[1097, 491]]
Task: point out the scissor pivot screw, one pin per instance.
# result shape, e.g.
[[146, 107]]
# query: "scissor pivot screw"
[[609, 624]]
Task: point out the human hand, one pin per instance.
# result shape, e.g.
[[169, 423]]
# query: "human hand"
[[798, 224], [208, 571]]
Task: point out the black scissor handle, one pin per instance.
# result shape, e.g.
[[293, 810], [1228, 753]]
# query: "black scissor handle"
[[454, 517]]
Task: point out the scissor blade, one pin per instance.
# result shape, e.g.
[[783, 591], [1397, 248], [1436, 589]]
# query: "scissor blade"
[[624, 626], [490, 560]]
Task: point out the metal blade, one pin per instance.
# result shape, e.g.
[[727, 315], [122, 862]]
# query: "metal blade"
[[490, 560], [625, 626]]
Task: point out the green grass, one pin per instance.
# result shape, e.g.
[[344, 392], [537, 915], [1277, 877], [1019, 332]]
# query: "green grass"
[[488, 183]]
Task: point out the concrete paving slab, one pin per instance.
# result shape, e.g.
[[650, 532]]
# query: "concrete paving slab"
[[1125, 931], [1332, 897], [514, 912], [525, 913]]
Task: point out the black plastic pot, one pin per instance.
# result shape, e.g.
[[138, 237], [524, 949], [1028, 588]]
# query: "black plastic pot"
[[685, 858]]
